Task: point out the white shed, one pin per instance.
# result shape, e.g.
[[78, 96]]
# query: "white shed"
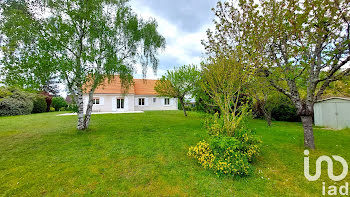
[[333, 113]]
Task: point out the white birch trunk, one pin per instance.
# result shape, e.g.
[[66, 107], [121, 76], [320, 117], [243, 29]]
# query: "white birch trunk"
[[80, 103], [88, 110]]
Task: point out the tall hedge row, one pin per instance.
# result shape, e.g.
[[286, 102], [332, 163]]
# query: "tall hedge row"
[[14, 101]]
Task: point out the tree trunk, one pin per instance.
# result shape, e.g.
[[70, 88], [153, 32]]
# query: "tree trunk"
[[268, 118], [88, 110], [309, 141], [80, 104], [183, 106]]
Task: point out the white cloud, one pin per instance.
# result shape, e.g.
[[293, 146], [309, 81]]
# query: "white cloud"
[[182, 47]]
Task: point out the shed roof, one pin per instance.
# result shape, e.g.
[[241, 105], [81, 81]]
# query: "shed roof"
[[331, 98]]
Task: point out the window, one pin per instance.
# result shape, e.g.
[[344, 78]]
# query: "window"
[[167, 101], [120, 103], [141, 101], [96, 101], [154, 100]]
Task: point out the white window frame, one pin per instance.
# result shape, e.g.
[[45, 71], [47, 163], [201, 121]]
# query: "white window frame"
[[144, 101], [165, 99], [95, 99], [154, 99]]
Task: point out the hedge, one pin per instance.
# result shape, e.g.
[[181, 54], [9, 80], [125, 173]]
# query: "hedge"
[[15, 102]]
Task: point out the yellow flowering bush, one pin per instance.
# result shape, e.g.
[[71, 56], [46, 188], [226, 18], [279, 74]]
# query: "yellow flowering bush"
[[224, 155], [227, 154], [234, 163], [203, 154], [250, 143]]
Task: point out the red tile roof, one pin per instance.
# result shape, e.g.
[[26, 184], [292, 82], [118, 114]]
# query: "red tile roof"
[[145, 87], [140, 87]]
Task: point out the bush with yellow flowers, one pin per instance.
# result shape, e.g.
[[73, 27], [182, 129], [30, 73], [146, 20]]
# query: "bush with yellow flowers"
[[203, 154], [224, 154]]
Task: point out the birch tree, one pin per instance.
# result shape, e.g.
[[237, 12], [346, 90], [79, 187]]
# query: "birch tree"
[[84, 41]]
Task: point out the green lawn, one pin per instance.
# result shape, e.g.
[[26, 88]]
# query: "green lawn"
[[145, 155]]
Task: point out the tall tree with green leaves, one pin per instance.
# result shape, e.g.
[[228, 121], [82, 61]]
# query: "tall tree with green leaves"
[[224, 79], [178, 83], [83, 41], [301, 46]]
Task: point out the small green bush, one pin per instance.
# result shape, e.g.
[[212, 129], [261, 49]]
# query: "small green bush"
[[58, 103], [39, 104], [72, 107], [14, 101], [52, 109]]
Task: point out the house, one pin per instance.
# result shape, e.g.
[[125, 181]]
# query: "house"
[[109, 97], [333, 113]]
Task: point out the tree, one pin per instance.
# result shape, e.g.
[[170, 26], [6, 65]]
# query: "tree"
[[223, 79], [259, 89], [338, 88], [178, 83], [301, 46], [83, 41], [58, 102], [51, 86]]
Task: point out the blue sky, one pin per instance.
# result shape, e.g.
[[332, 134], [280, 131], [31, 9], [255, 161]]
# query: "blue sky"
[[183, 23]]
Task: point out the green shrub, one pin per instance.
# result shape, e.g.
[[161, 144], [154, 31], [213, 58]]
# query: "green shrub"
[[226, 153], [39, 104], [48, 99], [58, 103], [72, 108], [203, 153], [285, 112], [52, 109], [4, 92], [281, 107], [15, 102], [214, 125]]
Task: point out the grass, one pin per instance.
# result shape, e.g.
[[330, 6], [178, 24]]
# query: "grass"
[[145, 155]]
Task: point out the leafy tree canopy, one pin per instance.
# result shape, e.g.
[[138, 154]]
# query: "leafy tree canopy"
[[81, 41], [178, 83]]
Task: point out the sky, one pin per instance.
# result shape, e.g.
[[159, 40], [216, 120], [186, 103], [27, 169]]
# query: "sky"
[[183, 23]]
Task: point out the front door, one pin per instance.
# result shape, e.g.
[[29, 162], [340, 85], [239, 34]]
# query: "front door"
[[120, 104]]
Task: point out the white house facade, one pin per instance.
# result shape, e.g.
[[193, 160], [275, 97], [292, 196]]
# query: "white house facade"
[[110, 97]]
